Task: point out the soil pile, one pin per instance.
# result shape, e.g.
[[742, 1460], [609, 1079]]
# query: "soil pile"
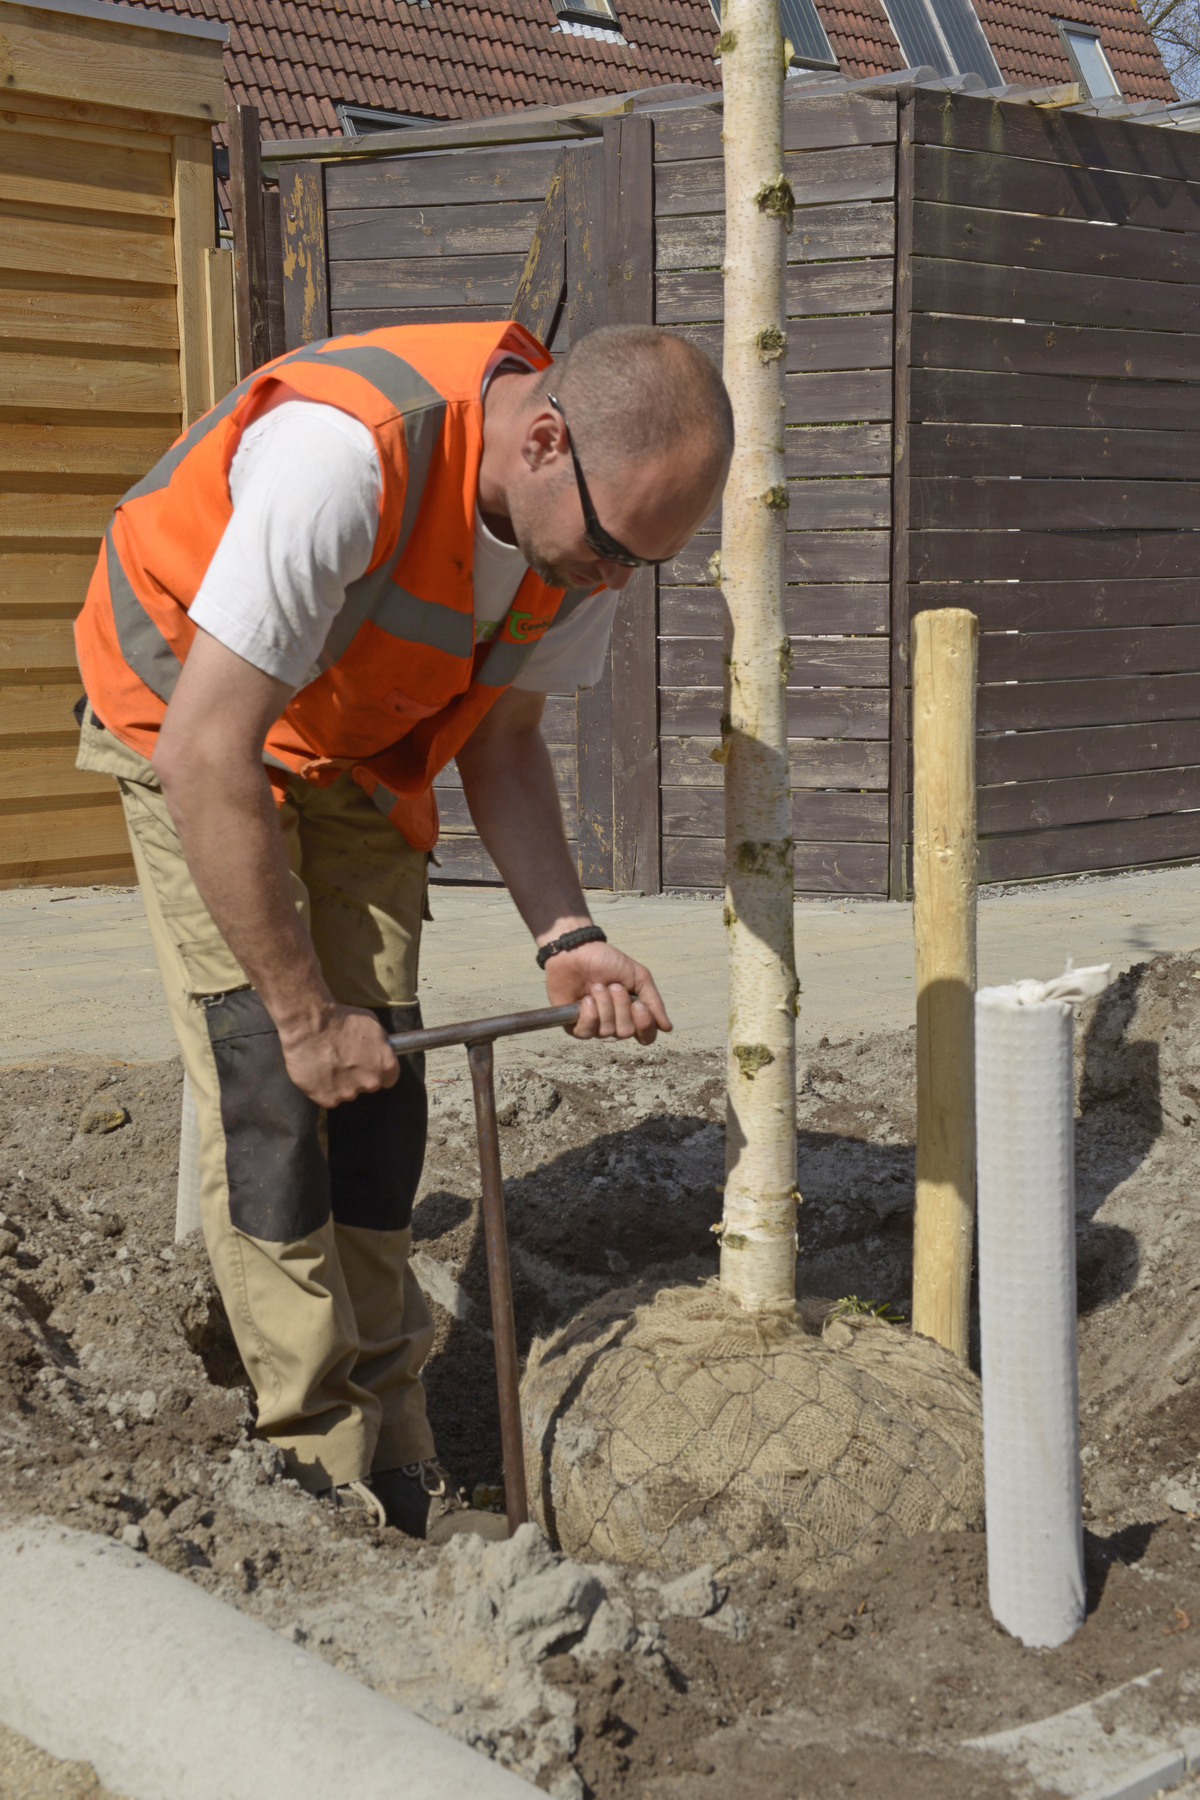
[[123, 1410]]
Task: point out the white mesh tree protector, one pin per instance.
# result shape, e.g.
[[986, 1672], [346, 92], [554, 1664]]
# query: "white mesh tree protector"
[[187, 1194], [1027, 1309]]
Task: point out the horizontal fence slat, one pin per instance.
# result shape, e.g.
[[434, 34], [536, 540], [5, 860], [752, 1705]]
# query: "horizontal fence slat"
[[374, 318], [34, 309], [402, 231], [1076, 655], [812, 289], [810, 122], [87, 448], [1100, 750], [58, 577], [59, 515], [443, 178], [982, 397], [111, 382], [1079, 849], [425, 281], [48, 774], [812, 763], [991, 291], [1010, 184], [29, 841], [858, 394], [840, 450], [820, 868], [808, 611], [1054, 135], [839, 818], [819, 233], [36, 644], [1031, 450], [42, 710], [818, 177], [1067, 605], [941, 502], [1084, 799], [816, 662], [1040, 705], [836, 343], [811, 712], [954, 343], [820, 556], [864, 504], [1078, 246], [46, 171], [1049, 555], [74, 242]]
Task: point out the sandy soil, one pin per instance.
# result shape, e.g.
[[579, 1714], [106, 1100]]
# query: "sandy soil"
[[123, 1410]]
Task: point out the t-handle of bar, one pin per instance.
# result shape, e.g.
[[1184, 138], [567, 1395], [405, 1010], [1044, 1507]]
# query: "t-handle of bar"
[[483, 1031]]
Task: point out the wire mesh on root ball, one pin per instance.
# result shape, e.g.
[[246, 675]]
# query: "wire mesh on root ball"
[[672, 1429]]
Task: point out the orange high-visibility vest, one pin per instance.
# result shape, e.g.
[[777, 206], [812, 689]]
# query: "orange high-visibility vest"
[[402, 682]]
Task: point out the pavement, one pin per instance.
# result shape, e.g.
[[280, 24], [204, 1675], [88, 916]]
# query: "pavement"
[[79, 978]]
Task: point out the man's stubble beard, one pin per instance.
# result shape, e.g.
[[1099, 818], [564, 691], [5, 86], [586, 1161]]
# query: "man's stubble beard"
[[525, 527]]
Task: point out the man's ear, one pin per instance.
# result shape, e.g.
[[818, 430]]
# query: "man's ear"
[[545, 439]]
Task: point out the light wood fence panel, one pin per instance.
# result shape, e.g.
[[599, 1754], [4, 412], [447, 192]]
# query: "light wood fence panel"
[[104, 353]]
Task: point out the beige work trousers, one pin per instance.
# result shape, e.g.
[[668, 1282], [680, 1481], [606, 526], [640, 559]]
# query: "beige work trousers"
[[306, 1223]]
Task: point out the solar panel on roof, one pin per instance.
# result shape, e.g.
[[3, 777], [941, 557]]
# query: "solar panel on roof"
[[945, 35]]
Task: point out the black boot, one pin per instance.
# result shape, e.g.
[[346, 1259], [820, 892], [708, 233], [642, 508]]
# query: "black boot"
[[418, 1501]]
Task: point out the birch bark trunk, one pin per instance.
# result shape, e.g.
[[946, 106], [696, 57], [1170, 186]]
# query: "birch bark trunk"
[[758, 1234]]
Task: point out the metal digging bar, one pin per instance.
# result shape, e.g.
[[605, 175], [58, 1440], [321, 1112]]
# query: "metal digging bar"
[[479, 1035]]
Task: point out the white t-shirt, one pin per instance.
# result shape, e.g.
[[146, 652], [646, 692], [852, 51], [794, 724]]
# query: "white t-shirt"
[[306, 485]]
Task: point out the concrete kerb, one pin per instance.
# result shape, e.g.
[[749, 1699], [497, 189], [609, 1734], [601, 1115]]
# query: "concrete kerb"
[[171, 1695]]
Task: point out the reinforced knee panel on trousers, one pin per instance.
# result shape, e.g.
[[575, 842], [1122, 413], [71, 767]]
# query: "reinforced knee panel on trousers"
[[278, 1178], [377, 1142]]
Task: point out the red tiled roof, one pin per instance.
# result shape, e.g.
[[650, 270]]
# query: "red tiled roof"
[[295, 60], [1026, 46], [1029, 49]]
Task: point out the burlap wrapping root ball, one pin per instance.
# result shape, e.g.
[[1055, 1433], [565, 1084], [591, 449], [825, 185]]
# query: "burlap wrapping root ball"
[[672, 1430]]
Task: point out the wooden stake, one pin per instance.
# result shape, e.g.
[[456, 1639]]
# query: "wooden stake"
[[944, 657]]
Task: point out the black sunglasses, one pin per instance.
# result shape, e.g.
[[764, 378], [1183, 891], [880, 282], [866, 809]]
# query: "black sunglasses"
[[594, 534]]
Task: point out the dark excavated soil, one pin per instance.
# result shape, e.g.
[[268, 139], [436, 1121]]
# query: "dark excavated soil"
[[122, 1400]]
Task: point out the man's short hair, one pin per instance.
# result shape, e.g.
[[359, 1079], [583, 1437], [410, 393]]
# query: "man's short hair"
[[634, 392]]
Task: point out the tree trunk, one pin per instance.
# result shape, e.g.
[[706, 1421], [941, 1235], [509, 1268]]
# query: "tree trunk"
[[758, 1234]]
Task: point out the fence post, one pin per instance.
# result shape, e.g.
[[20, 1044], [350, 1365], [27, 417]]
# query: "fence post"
[[629, 260], [902, 341], [305, 261], [249, 239], [944, 655]]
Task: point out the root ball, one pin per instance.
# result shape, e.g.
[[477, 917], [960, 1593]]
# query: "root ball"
[[672, 1429]]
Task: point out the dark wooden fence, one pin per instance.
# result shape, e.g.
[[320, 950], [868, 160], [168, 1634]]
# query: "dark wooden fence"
[[1053, 456], [1015, 287]]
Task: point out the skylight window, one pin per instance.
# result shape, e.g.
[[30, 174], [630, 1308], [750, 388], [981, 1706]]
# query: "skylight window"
[[1088, 60], [360, 121], [589, 12], [944, 35], [802, 27]]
